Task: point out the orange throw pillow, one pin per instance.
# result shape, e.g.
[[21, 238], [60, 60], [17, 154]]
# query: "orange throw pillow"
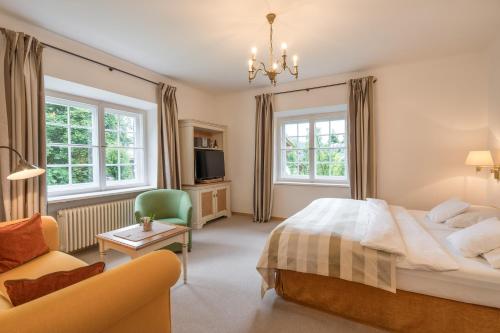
[[25, 290], [20, 242]]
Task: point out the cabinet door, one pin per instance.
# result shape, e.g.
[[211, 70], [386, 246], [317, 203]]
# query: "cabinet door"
[[207, 204], [221, 195]]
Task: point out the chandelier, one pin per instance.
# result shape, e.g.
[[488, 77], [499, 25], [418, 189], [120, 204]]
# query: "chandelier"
[[275, 66]]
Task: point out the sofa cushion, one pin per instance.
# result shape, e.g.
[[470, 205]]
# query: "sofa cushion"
[[25, 290], [53, 261], [20, 242]]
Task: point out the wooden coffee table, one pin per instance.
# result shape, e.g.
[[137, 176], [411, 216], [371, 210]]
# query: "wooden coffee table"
[[179, 234]]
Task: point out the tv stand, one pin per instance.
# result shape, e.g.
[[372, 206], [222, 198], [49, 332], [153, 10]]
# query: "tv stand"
[[210, 201], [210, 181], [211, 198]]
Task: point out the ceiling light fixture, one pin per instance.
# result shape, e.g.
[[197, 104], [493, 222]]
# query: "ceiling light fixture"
[[275, 66]]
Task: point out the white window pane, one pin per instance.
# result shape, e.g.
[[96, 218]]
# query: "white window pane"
[[112, 173], [127, 156], [110, 121], [79, 116], [127, 124], [292, 142], [111, 138], [290, 130], [304, 129], [303, 156], [322, 127], [81, 136], [57, 176], [56, 114], [127, 172], [338, 126], [322, 141], [57, 155], [337, 139], [81, 155], [82, 175], [303, 142], [56, 134], [291, 169]]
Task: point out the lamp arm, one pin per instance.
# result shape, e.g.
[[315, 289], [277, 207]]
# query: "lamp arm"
[[15, 151]]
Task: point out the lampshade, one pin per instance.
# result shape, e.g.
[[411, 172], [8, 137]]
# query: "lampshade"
[[25, 170], [479, 158]]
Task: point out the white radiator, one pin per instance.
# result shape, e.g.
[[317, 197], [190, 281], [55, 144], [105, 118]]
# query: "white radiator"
[[79, 226]]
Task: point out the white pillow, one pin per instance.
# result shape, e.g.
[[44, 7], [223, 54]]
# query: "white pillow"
[[472, 216], [446, 210], [493, 258], [477, 239]]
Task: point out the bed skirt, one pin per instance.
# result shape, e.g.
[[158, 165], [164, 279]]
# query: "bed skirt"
[[401, 312]]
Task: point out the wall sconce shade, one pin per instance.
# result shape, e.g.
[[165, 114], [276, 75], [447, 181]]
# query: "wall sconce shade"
[[483, 158], [480, 158]]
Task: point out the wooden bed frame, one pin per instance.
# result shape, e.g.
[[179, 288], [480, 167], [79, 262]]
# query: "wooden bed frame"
[[401, 312]]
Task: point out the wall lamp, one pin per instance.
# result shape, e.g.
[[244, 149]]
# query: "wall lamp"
[[24, 170], [483, 159]]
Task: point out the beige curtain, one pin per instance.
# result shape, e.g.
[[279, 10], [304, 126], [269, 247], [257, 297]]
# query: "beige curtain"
[[362, 166], [263, 170], [169, 161], [22, 123]]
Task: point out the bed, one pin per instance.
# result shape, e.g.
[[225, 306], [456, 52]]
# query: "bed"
[[457, 295]]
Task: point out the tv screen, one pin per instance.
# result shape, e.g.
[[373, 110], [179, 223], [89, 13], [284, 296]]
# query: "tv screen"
[[209, 164]]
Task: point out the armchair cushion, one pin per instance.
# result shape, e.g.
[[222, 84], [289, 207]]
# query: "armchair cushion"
[[20, 242], [172, 221], [25, 290]]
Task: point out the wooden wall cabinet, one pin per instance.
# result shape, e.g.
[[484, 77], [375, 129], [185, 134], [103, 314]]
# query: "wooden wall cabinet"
[[210, 201]]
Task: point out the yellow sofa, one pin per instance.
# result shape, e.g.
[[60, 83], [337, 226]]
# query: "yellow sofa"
[[134, 297]]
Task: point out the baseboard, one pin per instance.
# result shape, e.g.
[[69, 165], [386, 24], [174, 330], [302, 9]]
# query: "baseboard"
[[276, 218]]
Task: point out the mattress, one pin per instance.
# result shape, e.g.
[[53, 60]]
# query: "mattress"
[[474, 282]]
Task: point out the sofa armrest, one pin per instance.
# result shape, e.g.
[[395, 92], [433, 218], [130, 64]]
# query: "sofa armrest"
[[99, 303], [50, 231]]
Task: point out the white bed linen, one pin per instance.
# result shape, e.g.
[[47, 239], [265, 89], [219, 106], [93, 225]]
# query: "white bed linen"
[[474, 282]]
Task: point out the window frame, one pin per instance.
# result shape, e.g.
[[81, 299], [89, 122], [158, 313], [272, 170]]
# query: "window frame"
[[100, 184], [310, 116]]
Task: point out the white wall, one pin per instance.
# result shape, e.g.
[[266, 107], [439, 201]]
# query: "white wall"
[[428, 116], [494, 116]]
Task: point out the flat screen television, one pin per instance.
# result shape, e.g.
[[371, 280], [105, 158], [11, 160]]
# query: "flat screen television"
[[209, 164]]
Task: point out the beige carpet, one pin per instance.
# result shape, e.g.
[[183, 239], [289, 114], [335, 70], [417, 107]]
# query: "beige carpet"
[[223, 290]]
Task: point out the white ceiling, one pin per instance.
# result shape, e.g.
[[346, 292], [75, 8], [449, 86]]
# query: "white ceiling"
[[208, 42]]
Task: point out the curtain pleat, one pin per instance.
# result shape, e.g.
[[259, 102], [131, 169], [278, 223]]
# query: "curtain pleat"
[[362, 163], [22, 123], [169, 162], [263, 169]]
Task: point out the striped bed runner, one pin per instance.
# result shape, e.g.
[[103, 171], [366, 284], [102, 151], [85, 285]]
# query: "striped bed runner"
[[324, 239]]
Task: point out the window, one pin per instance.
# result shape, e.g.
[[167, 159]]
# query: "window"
[[312, 148], [92, 146]]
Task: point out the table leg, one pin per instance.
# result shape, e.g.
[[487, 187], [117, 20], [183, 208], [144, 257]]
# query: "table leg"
[[184, 257], [102, 250]]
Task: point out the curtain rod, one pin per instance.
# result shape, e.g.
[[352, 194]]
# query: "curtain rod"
[[312, 88], [111, 68]]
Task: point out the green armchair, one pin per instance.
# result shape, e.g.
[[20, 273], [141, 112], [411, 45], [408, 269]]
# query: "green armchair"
[[170, 206]]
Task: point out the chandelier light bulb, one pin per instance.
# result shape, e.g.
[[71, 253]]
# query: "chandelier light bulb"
[[284, 47], [295, 60], [254, 50], [275, 66]]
